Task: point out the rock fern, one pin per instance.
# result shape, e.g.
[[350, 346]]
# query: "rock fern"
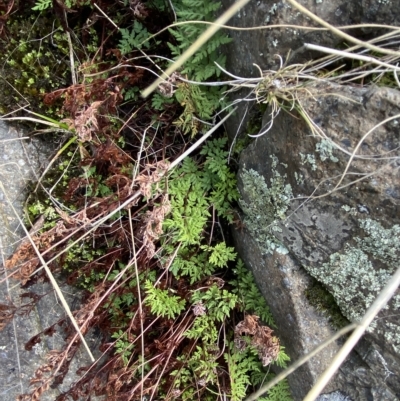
[[198, 102], [202, 65], [162, 303]]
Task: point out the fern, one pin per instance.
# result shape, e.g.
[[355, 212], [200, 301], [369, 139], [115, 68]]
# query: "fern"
[[245, 370], [189, 206], [158, 101], [203, 328], [220, 177], [201, 367], [251, 300], [280, 392], [123, 346], [201, 66], [197, 101], [217, 302], [191, 194], [283, 357], [220, 254], [41, 5], [134, 39], [242, 365], [193, 264], [162, 303]]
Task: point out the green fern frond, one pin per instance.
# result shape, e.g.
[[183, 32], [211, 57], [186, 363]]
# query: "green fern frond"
[[41, 5], [218, 302], [133, 39], [252, 301], [280, 392], [220, 254], [162, 303]]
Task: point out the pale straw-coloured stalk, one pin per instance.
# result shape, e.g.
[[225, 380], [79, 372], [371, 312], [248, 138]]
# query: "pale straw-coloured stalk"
[[203, 38], [373, 310]]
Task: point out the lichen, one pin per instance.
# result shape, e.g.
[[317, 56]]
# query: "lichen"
[[309, 159], [392, 335], [381, 243], [351, 210], [265, 207], [352, 278], [325, 148], [299, 178]]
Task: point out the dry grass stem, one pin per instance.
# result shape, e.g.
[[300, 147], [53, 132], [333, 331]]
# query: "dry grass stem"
[[340, 33], [370, 314], [197, 44]]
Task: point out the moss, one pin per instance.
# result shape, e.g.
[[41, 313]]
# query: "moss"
[[265, 206], [34, 60], [319, 297]]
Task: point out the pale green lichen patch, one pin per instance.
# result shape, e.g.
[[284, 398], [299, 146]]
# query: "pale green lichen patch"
[[299, 178], [353, 279], [325, 148], [309, 159], [381, 243], [265, 206], [392, 335], [350, 210]]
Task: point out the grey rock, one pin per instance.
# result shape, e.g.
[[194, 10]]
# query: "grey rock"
[[22, 162], [260, 47], [347, 239]]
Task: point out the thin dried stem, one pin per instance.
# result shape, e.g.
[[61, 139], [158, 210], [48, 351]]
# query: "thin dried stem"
[[353, 56], [369, 316], [51, 277], [197, 44], [360, 143], [340, 33]]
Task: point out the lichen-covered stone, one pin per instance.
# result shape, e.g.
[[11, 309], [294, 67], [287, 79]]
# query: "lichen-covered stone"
[[347, 238], [336, 227], [264, 207]]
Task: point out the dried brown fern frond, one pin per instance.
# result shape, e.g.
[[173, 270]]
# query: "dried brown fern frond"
[[262, 339], [152, 228]]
